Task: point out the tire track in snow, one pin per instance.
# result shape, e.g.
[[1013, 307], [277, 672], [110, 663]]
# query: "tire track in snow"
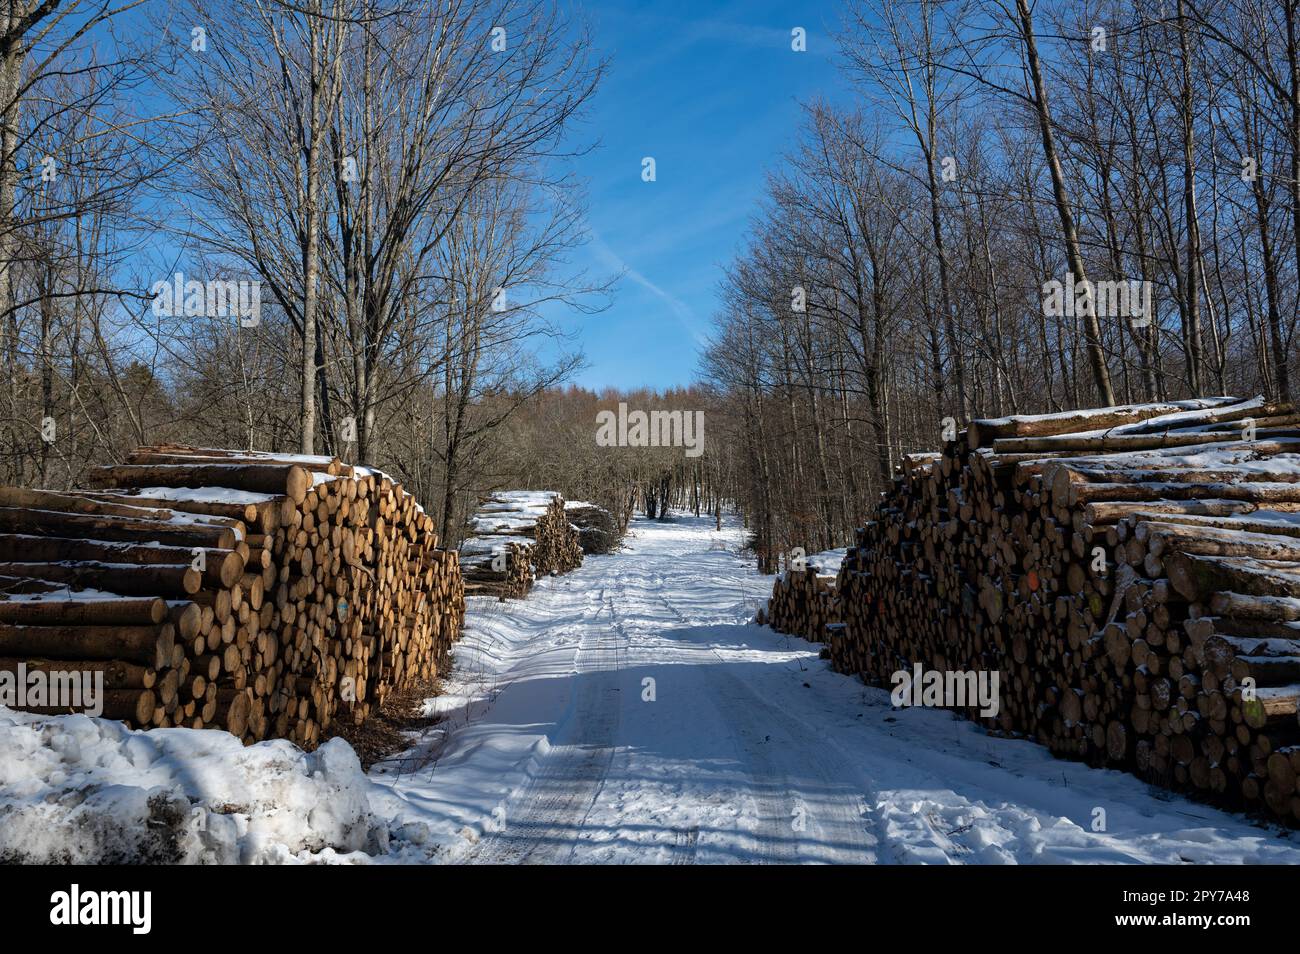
[[805, 805], [803, 800], [546, 818], [685, 840]]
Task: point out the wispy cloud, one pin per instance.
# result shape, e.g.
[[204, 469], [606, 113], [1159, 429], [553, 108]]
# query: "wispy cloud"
[[678, 35], [683, 312]]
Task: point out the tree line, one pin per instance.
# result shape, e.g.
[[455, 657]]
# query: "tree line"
[[988, 162]]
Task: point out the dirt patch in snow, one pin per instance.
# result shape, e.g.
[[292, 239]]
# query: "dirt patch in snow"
[[388, 731]]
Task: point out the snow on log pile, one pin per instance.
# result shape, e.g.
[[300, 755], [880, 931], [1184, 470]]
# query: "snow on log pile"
[[804, 601], [1132, 574], [596, 526], [518, 535], [268, 595]]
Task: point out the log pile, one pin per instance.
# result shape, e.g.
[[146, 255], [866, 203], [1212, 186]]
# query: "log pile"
[[804, 601], [270, 596], [497, 565], [1132, 574], [517, 536], [596, 526]]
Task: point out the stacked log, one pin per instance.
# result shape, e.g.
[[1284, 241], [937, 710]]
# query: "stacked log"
[[1131, 574], [517, 536], [497, 565], [597, 529], [267, 595], [804, 602], [556, 548]]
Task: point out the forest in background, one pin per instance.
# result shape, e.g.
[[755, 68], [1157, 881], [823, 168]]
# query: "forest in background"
[[397, 182], [896, 273]]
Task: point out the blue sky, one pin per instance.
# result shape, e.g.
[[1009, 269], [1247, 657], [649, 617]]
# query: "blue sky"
[[712, 91]]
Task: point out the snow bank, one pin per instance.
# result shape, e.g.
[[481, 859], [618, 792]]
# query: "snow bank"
[[89, 791]]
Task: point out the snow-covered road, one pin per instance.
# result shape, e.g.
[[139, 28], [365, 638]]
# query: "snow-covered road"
[[628, 712]]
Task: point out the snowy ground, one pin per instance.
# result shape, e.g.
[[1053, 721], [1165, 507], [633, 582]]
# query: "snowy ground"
[[751, 750], [551, 750]]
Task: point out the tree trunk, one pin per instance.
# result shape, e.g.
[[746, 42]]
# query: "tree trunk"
[[1074, 255]]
